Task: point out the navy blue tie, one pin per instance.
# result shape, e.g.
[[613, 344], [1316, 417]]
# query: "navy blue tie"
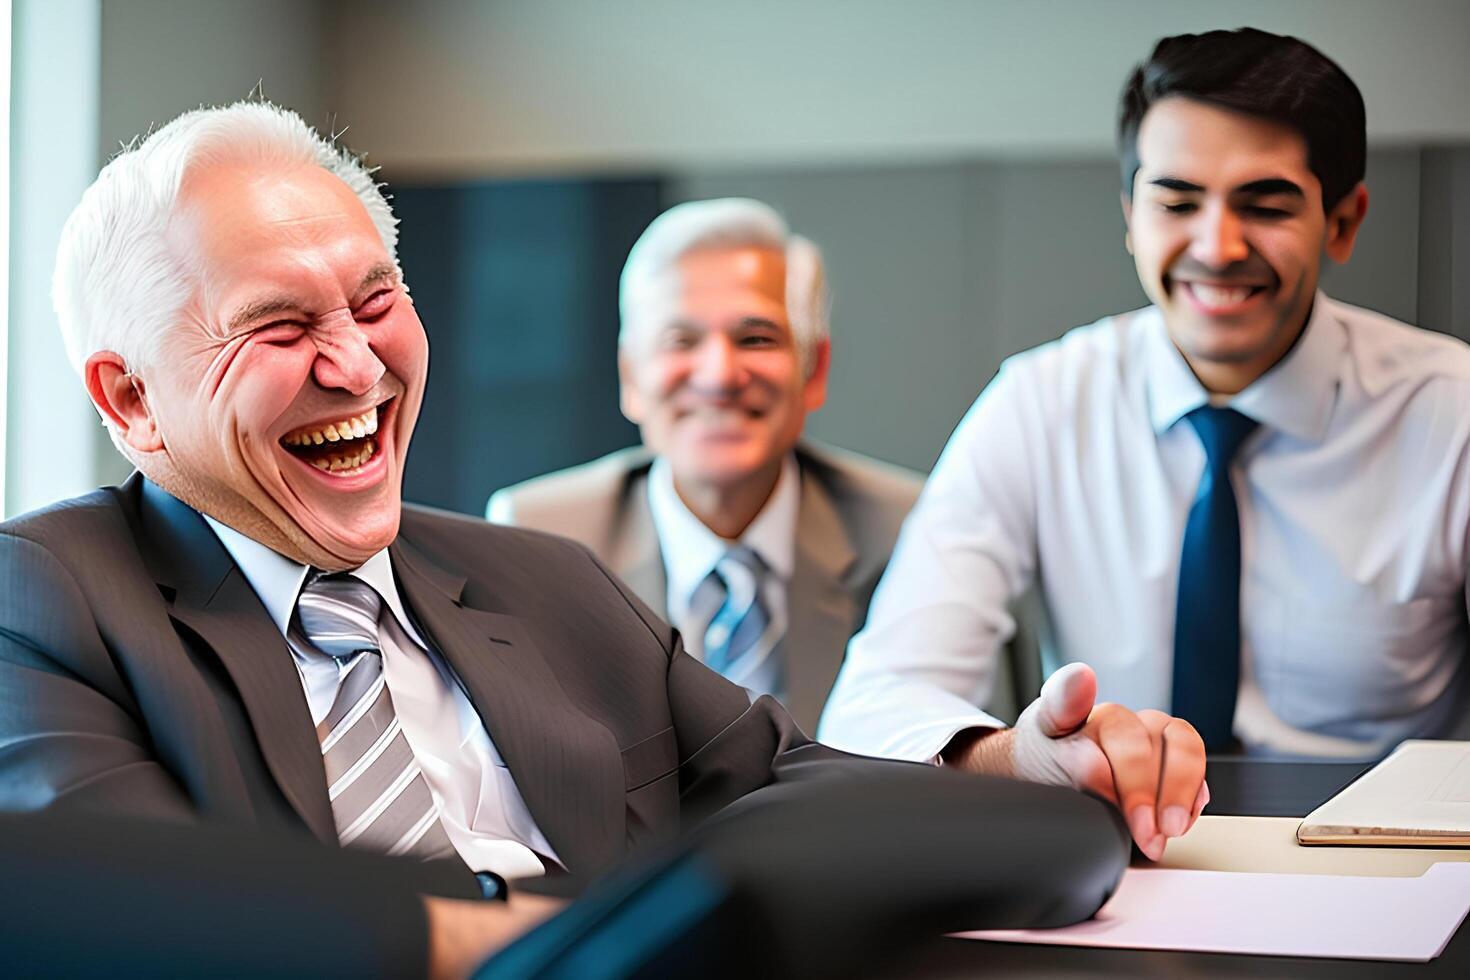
[[1207, 622]]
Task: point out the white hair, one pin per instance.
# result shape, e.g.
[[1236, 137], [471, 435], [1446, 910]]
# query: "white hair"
[[730, 222], [118, 286]]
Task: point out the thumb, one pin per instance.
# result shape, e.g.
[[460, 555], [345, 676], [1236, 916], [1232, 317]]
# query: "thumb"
[[1066, 700]]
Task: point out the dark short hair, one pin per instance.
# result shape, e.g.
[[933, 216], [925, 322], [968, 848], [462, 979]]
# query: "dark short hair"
[[1267, 75]]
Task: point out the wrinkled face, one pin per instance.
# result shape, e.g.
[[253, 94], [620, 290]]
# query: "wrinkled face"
[[711, 372], [286, 397], [1227, 231]]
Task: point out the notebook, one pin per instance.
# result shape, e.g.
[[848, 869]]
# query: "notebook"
[[1418, 796]]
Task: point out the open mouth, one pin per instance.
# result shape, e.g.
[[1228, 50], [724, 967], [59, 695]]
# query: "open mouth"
[[342, 447]]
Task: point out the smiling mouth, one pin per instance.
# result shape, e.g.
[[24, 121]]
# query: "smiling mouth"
[[340, 448], [1212, 294]]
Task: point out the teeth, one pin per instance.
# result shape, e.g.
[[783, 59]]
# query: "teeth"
[[1220, 295], [347, 462], [362, 425]]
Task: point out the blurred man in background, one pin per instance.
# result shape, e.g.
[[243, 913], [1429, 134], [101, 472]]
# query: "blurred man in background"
[[1245, 504], [761, 547]]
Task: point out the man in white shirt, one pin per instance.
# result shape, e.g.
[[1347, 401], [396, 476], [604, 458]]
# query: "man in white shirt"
[[723, 352], [1247, 504]]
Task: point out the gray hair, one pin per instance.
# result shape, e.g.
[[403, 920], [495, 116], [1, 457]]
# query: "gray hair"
[[730, 222], [117, 284]]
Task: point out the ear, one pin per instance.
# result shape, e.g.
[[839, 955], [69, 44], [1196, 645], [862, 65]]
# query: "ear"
[[121, 399], [814, 392], [1343, 222], [1127, 220], [628, 398]]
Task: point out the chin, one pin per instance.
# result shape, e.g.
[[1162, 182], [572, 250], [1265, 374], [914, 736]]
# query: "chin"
[[351, 541]]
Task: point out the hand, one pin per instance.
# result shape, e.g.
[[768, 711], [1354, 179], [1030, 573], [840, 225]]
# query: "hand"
[[1151, 765], [463, 934]]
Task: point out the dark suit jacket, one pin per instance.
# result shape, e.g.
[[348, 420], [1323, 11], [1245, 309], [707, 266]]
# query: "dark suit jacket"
[[139, 673], [851, 510], [146, 899]]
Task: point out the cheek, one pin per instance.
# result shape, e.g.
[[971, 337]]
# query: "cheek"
[[402, 345], [777, 370], [261, 385], [662, 377], [1289, 257]]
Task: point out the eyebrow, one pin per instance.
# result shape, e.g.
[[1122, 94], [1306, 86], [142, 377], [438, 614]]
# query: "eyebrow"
[[262, 308], [382, 272], [276, 305], [1271, 185], [1255, 188], [1175, 184]]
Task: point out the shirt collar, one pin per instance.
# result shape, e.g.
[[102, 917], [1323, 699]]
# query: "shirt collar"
[[691, 550], [277, 580], [1296, 396]]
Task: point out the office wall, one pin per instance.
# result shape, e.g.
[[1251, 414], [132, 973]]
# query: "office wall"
[[466, 87], [1444, 256], [163, 57]]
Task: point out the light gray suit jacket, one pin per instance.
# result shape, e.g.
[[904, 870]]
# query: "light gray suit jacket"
[[850, 513]]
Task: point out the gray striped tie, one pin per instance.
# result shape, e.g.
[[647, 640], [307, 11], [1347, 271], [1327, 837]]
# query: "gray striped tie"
[[379, 797]]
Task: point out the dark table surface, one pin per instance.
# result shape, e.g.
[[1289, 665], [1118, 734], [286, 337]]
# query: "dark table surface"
[[1238, 787]]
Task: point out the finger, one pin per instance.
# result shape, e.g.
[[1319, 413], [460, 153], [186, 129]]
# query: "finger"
[[1181, 775], [1134, 755], [1066, 700], [1200, 802]]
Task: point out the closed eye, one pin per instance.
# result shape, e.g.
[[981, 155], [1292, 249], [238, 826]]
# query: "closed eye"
[[279, 332], [376, 305]]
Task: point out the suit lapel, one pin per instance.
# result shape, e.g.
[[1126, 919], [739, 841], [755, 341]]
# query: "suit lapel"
[[820, 604], [634, 554], [567, 767], [210, 597]]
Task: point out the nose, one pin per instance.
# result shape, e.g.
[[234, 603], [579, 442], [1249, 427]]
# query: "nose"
[[344, 358], [717, 364], [1218, 240]]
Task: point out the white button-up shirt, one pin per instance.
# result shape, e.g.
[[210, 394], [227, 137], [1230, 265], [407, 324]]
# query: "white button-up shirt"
[[691, 550], [479, 805], [1074, 469]]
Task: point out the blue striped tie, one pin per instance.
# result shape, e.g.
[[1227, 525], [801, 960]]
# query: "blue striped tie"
[[739, 619], [1207, 618]]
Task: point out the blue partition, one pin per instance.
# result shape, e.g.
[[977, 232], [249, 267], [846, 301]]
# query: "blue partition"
[[516, 282]]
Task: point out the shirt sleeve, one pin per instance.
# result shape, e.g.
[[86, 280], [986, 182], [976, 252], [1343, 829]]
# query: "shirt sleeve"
[[915, 675]]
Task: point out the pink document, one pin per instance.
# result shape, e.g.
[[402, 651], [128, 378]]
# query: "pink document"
[[1272, 914]]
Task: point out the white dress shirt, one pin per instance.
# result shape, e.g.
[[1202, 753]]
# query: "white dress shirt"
[[1075, 469], [691, 550], [479, 805]]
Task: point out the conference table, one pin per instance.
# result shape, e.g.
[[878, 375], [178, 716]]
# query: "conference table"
[[1239, 787]]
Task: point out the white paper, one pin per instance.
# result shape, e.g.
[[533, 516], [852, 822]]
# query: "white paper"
[[1423, 787], [1272, 914]]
